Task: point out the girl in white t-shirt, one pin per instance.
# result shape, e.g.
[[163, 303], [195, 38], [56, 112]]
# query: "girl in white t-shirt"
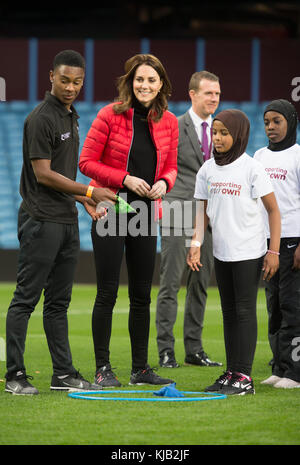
[[231, 185], [281, 160]]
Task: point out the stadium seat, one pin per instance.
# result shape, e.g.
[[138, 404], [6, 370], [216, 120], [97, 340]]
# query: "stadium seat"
[[3, 107], [260, 139], [172, 107], [83, 107], [179, 108], [98, 105], [12, 115], [250, 108], [226, 105], [19, 106]]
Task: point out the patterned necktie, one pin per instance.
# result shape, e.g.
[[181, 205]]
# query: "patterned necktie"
[[204, 142]]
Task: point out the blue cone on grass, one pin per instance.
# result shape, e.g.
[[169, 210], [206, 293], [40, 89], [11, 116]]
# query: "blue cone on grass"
[[169, 391]]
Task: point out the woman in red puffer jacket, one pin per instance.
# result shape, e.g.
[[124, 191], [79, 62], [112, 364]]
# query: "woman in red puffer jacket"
[[131, 148]]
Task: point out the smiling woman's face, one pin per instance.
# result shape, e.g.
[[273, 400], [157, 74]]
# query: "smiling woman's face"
[[146, 84]]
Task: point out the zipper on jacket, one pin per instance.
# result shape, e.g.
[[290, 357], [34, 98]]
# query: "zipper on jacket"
[[158, 165], [156, 202], [117, 193], [159, 157]]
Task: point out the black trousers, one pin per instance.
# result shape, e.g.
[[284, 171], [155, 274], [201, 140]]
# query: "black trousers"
[[238, 286], [140, 253], [47, 260], [173, 264], [283, 305]]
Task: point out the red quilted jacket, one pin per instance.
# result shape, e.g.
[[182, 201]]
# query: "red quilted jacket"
[[106, 149]]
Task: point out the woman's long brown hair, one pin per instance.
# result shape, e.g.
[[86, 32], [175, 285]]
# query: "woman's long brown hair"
[[125, 86]]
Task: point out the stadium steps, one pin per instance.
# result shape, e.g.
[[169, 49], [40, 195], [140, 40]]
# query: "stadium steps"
[[12, 116]]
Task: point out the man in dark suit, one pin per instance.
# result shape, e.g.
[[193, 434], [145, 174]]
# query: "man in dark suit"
[[194, 148]]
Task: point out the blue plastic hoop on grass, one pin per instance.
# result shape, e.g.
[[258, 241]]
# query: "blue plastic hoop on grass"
[[101, 395]]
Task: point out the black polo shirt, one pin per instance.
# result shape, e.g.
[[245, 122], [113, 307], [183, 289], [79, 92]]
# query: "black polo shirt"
[[50, 132]]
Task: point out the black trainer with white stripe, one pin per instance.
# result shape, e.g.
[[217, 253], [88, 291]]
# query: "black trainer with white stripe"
[[147, 376], [19, 386], [72, 383], [106, 378], [239, 385], [222, 381]]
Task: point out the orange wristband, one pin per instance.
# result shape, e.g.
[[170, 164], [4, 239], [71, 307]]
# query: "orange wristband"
[[89, 191]]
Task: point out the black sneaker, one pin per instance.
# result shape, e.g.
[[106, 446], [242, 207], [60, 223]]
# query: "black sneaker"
[[200, 359], [105, 377], [167, 360], [72, 383], [19, 386], [223, 380], [239, 385], [147, 376]]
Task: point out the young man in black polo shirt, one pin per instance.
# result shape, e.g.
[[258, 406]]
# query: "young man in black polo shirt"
[[48, 227]]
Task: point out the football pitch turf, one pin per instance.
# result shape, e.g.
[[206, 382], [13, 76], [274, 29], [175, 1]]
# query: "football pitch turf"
[[271, 417]]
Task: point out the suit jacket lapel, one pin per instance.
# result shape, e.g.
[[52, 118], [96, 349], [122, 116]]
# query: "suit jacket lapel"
[[191, 133]]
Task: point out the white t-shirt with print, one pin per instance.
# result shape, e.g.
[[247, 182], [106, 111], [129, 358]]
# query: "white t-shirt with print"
[[283, 168], [233, 192]]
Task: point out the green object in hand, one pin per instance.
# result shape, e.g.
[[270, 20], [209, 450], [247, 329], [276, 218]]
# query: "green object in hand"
[[123, 207]]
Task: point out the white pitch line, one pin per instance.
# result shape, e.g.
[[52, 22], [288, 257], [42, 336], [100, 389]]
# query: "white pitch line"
[[76, 311], [178, 339]]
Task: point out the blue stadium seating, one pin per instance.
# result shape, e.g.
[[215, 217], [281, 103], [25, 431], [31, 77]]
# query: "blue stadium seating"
[[12, 115]]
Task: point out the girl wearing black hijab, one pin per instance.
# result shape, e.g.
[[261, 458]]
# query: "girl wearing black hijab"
[[230, 184], [281, 159]]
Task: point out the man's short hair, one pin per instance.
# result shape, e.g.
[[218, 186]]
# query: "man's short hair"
[[69, 58], [198, 76]]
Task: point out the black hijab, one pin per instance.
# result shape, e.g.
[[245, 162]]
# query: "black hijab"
[[238, 125], [288, 111]]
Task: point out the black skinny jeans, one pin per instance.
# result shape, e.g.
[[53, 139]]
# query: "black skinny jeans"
[[238, 285], [140, 254], [283, 304]]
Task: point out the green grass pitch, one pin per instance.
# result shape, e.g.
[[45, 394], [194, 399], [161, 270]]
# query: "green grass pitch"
[[271, 417]]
